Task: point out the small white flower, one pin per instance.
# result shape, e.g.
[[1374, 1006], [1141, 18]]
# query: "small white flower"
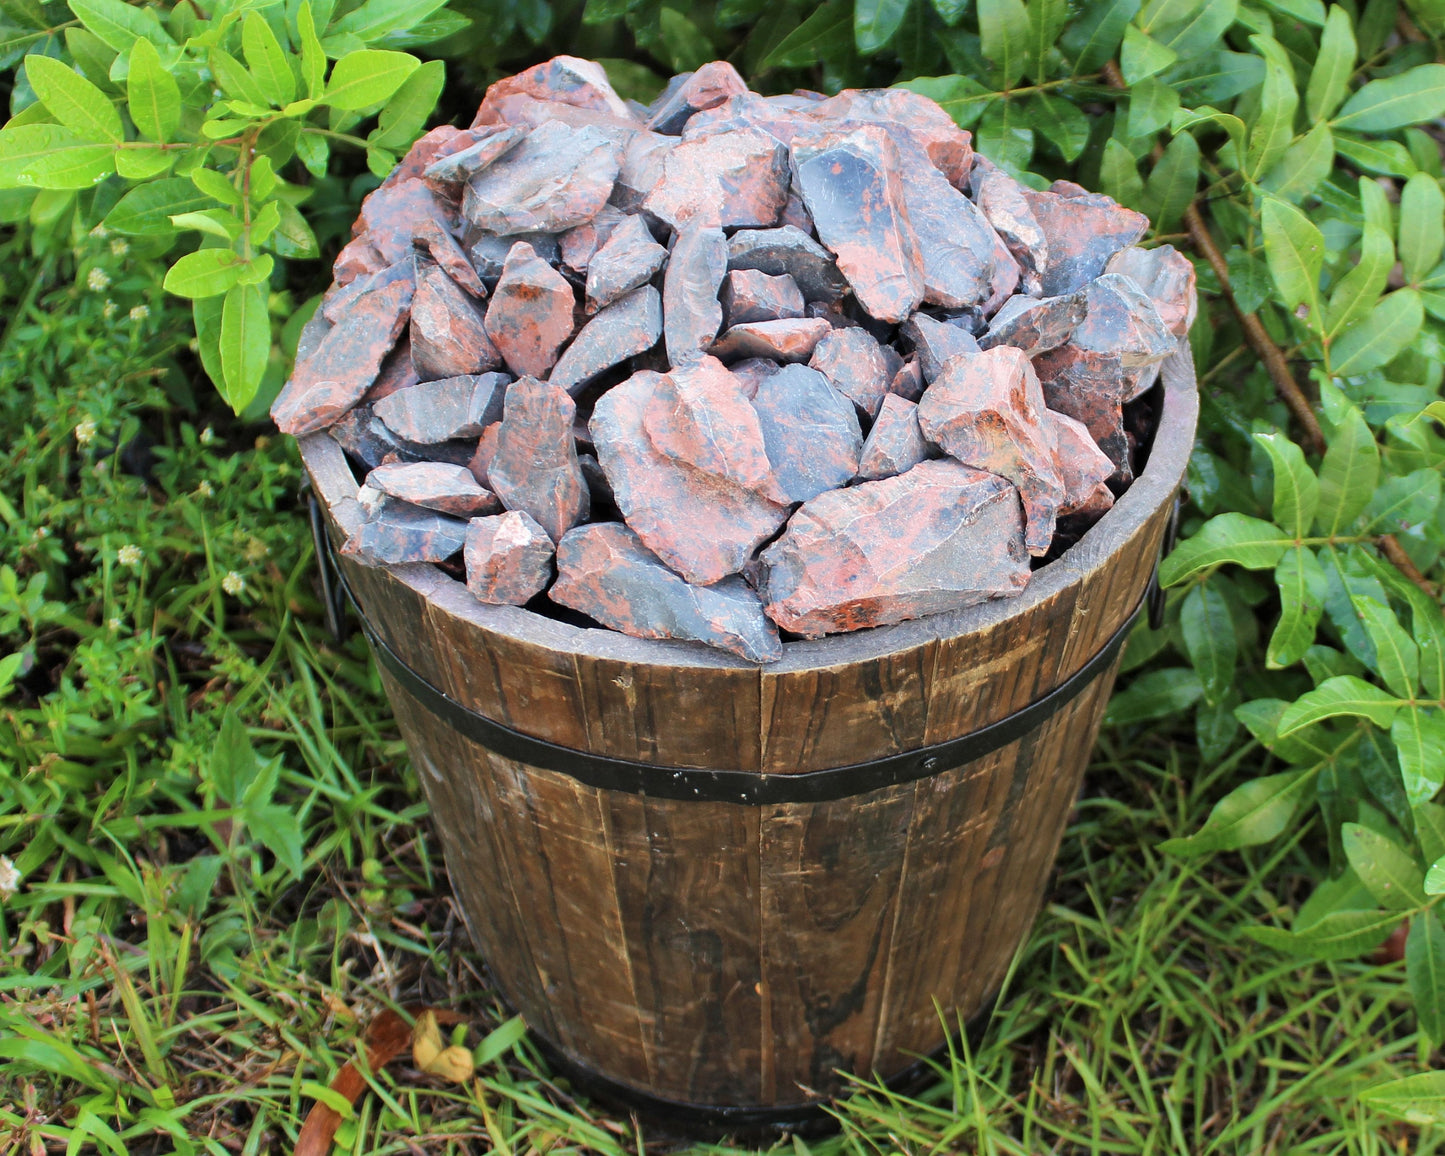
[[100, 232], [208, 435], [129, 555], [233, 583], [118, 247], [9, 878], [140, 312], [85, 432], [98, 280], [114, 624], [205, 489], [109, 311]]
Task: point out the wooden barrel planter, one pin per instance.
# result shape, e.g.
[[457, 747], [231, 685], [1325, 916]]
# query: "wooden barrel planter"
[[713, 887]]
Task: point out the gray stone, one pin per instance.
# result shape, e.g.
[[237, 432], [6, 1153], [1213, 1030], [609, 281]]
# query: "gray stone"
[[535, 466], [508, 557], [724, 181], [448, 334], [790, 339], [748, 295], [811, 432], [447, 489], [896, 443], [556, 178], [788, 250], [691, 312], [400, 532], [454, 170], [438, 411], [936, 343], [629, 259], [629, 326], [854, 364], [1035, 325]]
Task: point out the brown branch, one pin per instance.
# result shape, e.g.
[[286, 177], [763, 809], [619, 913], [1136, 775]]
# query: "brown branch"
[[1395, 554], [1254, 331]]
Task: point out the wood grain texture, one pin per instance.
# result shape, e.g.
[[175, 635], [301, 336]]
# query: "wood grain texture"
[[722, 954]]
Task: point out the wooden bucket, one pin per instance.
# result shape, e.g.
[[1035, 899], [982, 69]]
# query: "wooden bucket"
[[711, 887]]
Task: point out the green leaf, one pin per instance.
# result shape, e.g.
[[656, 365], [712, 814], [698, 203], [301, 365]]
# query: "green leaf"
[[1418, 1099], [1387, 869], [1152, 105], [234, 79], [147, 210], [245, 343], [1301, 583], [279, 830], [824, 35], [22, 145], [1419, 737], [1348, 474], [216, 186], [206, 313], [1119, 174], [204, 273], [1294, 249], [378, 18], [1092, 40], [154, 98], [142, 164], [293, 236], [1386, 157], [405, 114], [1343, 696], [1209, 641], [1425, 970], [1142, 56], [1060, 123], [1256, 812], [1158, 694], [1003, 27], [499, 1041], [1361, 287], [1046, 19], [213, 222], [233, 760], [119, 24], [962, 97], [1273, 126], [314, 152], [876, 22], [1004, 136], [1397, 658], [1198, 31], [1334, 65], [75, 166], [1422, 226], [1435, 877], [1173, 182], [1381, 337], [1233, 537], [1304, 166], [1296, 489], [367, 77], [313, 57], [1339, 935], [267, 60], [687, 45], [73, 100], [1413, 97]]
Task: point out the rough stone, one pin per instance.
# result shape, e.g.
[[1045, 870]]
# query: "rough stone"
[[556, 178], [362, 435], [604, 501], [642, 168], [629, 259], [396, 218], [345, 363], [789, 250], [896, 443], [691, 312], [439, 411], [940, 537], [987, 410], [751, 372], [936, 343], [791, 339], [1082, 466], [810, 430], [748, 295], [1003, 202], [508, 557], [629, 326], [795, 213], [1082, 233], [706, 88], [1033, 325], [579, 244], [434, 486], [907, 383], [948, 148], [1167, 277], [399, 532], [429, 148], [565, 79], [448, 335], [535, 467], [481, 460], [854, 364], [607, 573], [725, 181], [488, 252], [851, 183], [700, 524], [454, 170], [339, 298], [397, 371], [530, 316]]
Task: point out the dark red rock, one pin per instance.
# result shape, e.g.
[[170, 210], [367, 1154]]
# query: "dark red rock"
[[1082, 234], [700, 416], [399, 532], [363, 435], [579, 244], [777, 117], [358, 258], [629, 326], [795, 213], [434, 486], [628, 259], [851, 183], [488, 252], [439, 142], [604, 501], [339, 298], [448, 335], [788, 250], [642, 167], [791, 339], [938, 538], [936, 343], [733, 179], [535, 467], [706, 88], [832, 312], [896, 443], [1082, 466], [481, 460], [508, 557], [345, 363], [691, 312], [854, 364], [607, 573], [751, 372], [1167, 277], [987, 410], [700, 524], [1035, 325], [556, 178], [810, 430], [1004, 203], [439, 411], [948, 147], [531, 313], [449, 173], [1006, 275], [396, 218], [397, 372], [907, 383], [565, 79], [748, 295]]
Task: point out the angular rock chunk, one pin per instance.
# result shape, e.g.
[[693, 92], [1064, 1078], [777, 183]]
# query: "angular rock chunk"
[[1035, 325], [402, 533], [535, 467], [362, 435], [451, 172], [810, 430], [508, 557], [530, 315], [345, 363], [907, 383], [481, 460], [556, 178], [429, 148], [723, 181], [987, 410], [691, 312], [1082, 234], [700, 524], [706, 88], [607, 573], [851, 183], [642, 167], [488, 252], [629, 259], [397, 371], [748, 295], [854, 364], [936, 343], [895, 443], [397, 217], [1083, 466], [339, 298], [751, 372], [579, 244], [565, 79], [629, 326], [438, 411], [948, 148], [788, 250], [434, 486], [700, 415], [955, 241], [1167, 277], [1002, 200], [791, 339], [448, 335], [940, 537]]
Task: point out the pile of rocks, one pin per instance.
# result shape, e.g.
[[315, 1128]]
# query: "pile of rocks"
[[731, 364]]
